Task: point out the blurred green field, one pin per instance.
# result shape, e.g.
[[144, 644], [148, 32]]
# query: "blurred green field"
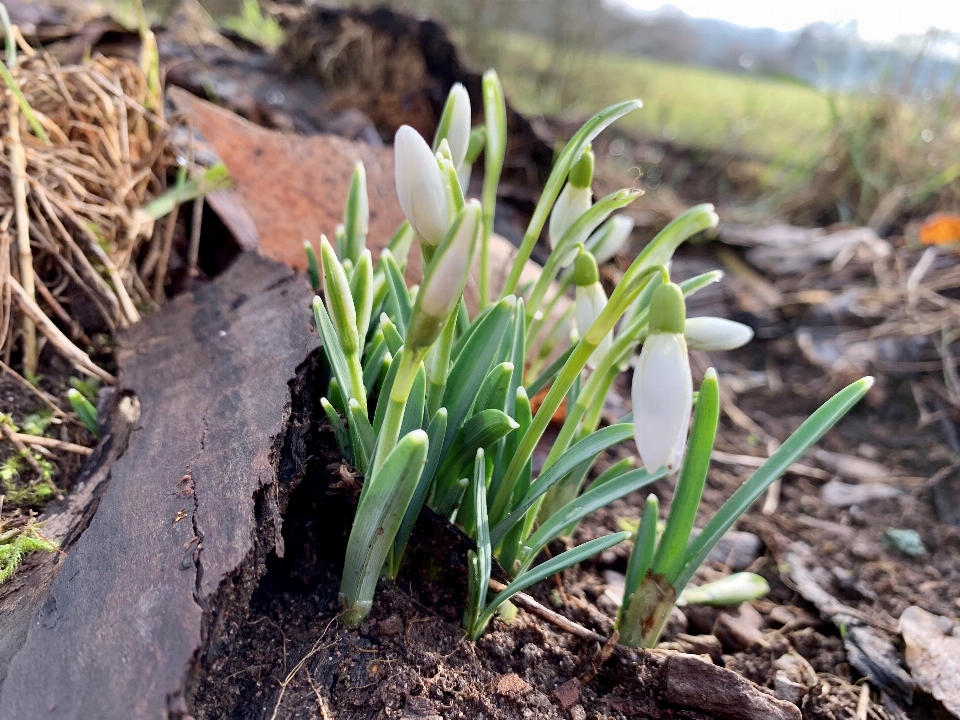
[[690, 105]]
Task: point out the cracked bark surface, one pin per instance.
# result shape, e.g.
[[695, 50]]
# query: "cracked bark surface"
[[125, 619]]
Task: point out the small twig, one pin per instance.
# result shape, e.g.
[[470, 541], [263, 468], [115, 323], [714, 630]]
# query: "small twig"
[[48, 399], [18, 444], [863, 704], [62, 314], [524, 601], [193, 252], [755, 462], [18, 162], [160, 274], [60, 341], [53, 444]]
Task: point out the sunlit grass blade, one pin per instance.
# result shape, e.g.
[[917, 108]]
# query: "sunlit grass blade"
[[690, 481], [545, 570], [378, 518], [435, 433], [593, 499], [586, 449], [400, 243], [383, 401], [796, 445], [558, 176], [356, 217], [339, 429]]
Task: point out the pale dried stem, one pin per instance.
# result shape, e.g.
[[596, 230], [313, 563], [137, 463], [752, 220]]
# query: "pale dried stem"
[[161, 273], [24, 451], [49, 400], [53, 444], [60, 341], [18, 164]]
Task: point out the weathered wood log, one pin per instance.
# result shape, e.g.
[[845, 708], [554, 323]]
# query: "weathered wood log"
[[126, 617]]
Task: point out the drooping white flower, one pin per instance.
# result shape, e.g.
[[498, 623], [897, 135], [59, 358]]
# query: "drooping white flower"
[[607, 241], [590, 302], [421, 188], [713, 333], [572, 202], [662, 390]]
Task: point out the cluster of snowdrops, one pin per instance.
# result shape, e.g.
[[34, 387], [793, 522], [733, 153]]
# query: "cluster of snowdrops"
[[432, 402]]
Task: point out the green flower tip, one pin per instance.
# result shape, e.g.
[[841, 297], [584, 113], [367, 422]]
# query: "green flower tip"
[[668, 313], [585, 271], [868, 382], [478, 138], [710, 375], [74, 394], [581, 174]]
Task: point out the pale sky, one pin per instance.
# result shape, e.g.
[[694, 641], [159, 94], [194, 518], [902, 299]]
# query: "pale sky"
[[878, 20]]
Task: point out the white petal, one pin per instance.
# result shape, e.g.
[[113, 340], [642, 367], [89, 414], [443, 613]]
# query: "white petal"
[[620, 227], [458, 134], [713, 333], [571, 204], [441, 293], [420, 187], [662, 397], [590, 302]]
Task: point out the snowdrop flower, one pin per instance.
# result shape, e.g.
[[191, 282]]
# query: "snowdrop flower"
[[713, 333], [574, 200], [662, 387], [454, 125], [443, 286], [607, 241], [591, 300], [421, 188]]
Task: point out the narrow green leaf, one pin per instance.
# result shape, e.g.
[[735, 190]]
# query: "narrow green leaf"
[[378, 518], [373, 363], [615, 471], [435, 433], [481, 562], [400, 243], [480, 431], [397, 298], [524, 417], [361, 288], [356, 216], [472, 366], [331, 346], [494, 389], [644, 545], [313, 267], [85, 411], [339, 429], [690, 482], [413, 412], [543, 571], [586, 449], [593, 499], [792, 450], [383, 401], [391, 335], [361, 433]]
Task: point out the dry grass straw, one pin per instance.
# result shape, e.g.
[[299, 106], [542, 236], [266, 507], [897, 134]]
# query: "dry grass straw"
[[81, 155]]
